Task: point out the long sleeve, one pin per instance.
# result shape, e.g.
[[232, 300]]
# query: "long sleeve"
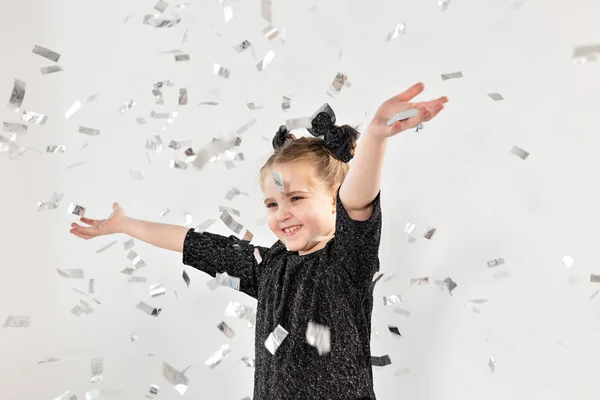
[[214, 254]]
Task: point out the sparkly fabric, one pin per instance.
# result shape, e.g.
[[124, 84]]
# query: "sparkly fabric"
[[332, 286]]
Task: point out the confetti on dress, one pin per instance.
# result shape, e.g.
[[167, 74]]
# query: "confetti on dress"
[[519, 152], [429, 233], [264, 63], [413, 112], [247, 362], [492, 364], [218, 357], [71, 273], [419, 281], [218, 69], [89, 131], [318, 336], [17, 322], [452, 75], [275, 339], [278, 178], [46, 53], [496, 96], [381, 361], [51, 69], [97, 366], [34, 117], [496, 262], [400, 29], [76, 210], [17, 95], [176, 378], [156, 289], [393, 299], [568, 261], [586, 54], [158, 22], [226, 330]]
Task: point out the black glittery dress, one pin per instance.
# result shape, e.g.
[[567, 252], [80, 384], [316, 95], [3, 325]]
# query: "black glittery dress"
[[332, 287]]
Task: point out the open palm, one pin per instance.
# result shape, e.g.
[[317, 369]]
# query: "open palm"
[[100, 227], [400, 103]]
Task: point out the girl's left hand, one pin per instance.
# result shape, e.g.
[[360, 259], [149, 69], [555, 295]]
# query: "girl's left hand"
[[400, 103]]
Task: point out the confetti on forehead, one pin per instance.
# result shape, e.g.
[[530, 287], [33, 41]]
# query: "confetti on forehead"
[[278, 178]]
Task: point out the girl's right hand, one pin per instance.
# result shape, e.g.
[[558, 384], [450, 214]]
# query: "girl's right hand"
[[100, 227]]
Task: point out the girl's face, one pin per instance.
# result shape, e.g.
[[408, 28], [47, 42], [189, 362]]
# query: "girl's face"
[[305, 206]]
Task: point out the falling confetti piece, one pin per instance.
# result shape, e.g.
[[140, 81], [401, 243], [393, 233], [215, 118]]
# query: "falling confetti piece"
[[429, 233], [568, 261], [129, 104], [381, 361], [48, 360], [275, 339], [128, 244], [156, 290], [161, 6], [270, 32], [247, 362], [76, 210], [17, 95], [220, 70], [137, 175], [204, 225], [34, 117], [586, 54], [183, 96], [148, 309], [182, 57], [400, 29], [392, 299], [71, 273], [519, 152], [46, 53], [97, 366], [176, 378], [593, 296], [73, 109], [496, 262], [51, 69], [492, 364], [336, 86], [266, 7], [226, 330], [14, 127], [395, 330], [108, 246], [243, 46], [227, 10], [265, 61], [419, 281], [157, 22], [496, 96], [443, 4], [595, 278], [218, 356], [17, 322], [452, 75], [89, 131], [186, 279]]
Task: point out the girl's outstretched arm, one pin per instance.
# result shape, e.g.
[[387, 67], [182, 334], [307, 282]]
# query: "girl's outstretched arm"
[[363, 182]]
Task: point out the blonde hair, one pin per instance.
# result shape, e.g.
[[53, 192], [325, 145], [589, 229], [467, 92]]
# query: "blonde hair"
[[329, 171]]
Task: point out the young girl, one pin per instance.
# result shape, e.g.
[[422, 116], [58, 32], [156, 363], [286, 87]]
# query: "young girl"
[[309, 276]]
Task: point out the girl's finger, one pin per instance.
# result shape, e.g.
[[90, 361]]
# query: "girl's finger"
[[92, 222], [80, 235], [84, 230], [411, 92]]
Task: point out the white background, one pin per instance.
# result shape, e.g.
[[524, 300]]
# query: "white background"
[[456, 175]]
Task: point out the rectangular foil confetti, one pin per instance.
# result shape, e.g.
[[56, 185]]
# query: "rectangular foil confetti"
[[148, 309], [278, 178], [242, 46], [176, 378], [183, 97], [247, 362], [226, 330], [161, 6], [77, 310], [318, 336], [71, 273], [73, 109], [266, 7], [57, 149], [204, 225], [108, 246], [394, 330], [393, 299], [137, 279], [492, 364], [97, 366], [153, 391], [402, 116], [186, 279], [519, 152], [400, 29], [586, 54], [91, 286], [594, 278], [496, 262], [275, 339], [230, 222], [156, 290], [46, 53], [17, 95], [157, 22], [51, 69], [129, 104], [182, 57], [452, 75], [136, 260], [270, 32], [17, 322], [429, 233], [336, 86], [419, 281], [88, 131], [264, 63], [34, 117], [76, 210], [380, 361], [237, 310], [14, 127], [128, 244], [496, 96], [218, 69], [218, 356], [286, 103]]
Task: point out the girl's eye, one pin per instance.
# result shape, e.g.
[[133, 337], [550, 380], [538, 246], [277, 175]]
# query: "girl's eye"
[[297, 197], [270, 205]]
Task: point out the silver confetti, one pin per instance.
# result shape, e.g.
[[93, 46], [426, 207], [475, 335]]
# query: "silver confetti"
[[73, 109], [449, 284], [46, 53], [392, 299], [253, 106], [176, 378], [156, 290], [208, 103], [161, 6], [400, 29], [48, 360], [155, 145], [218, 356], [204, 225], [51, 69], [17, 95], [496, 96], [336, 86], [86, 306], [34, 117], [517, 4], [472, 305], [97, 366], [14, 127], [230, 222], [148, 309], [52, 204], [285, 103], [76, 210], [413, 112], [91, 98], [141, 121], [266, 10], [429, 233], [270, 32], [594, 278], [247, 362], [108, 246], [136, 260], [319, 337], [57, 149], [402, 371], [409, 228], [183, 96], [242, 46], [165, 212], [188, 219], [65, 396], [492, 364], [91, 286], [137, 279], [264, 63], [401, 311], [218, 69], [232, 193], [11, 149], [17, 322], [419, 281], [275, 339], [182, 57], [77, 310], [381, 361], [243, 129], [128, 244], [586, 54], [496, 262], [170, 117], [77, 164], [89, 131], [137, 175], [134, 337], [237, 310], [519, 152], [71, 273], [157, 22], [226, 330], [227, 10], [568, 261], [443, 4], [152, 392], [452, 75], [419, 128], [129, 104], [186, 278], [278, 178], [593, 296]]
